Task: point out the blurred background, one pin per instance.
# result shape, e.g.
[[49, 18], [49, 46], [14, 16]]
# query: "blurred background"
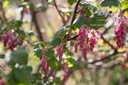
[[41, 21]]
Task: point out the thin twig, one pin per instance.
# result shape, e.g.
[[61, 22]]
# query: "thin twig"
[[108, 43], [3, 12], [37, 26], [75, 11], [62, 18], [106, 57]]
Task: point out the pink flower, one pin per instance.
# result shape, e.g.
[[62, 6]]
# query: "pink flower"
[[120, 31], [84, 51], [12, 42], [44, 65], [5, 39], [10, 39], [93, 36], [59, 51], [65, 77], [81, 37], [2, 82], [125, 20]]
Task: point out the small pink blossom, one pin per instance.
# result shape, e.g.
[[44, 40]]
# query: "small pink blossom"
[[5, 39], [81, 37], [2, 82], [59, 50], [93, 36], [44, 65], [125, 20], [12, 42], [120, 31], [84, 51]]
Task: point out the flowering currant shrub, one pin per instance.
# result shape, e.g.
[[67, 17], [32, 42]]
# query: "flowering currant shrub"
[[63, 42]]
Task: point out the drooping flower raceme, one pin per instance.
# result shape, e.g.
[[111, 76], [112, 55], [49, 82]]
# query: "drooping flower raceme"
[[5, 37], [44, 65], [11, 40], [93, 36], [120, 30], [81, 37], [59, 51]]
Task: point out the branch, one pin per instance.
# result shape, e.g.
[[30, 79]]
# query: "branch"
[[37, 26], [75, 11], [108, 43], [106, 57], [3, 13], [62, 18]]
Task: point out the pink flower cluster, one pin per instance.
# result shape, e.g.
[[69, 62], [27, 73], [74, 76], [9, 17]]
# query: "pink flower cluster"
[[9, 39], [59, 50], [93, 36], [44, 65], [120, 31], [2, 82], [81, 37]]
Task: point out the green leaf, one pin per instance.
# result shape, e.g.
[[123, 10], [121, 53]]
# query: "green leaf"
[[50, 53], [32, 6], [55, 41], [53, 63], [34, 77], [43, 44], [19, 56], [72, 63], [62, 32], [50, 83], [17, 23], [124, 4], [71, 1], [95, 23], [19, 75], [58, 80], [22, 73], [98, 20], [21, 33], [110, 3], [38, 44], [38, 52], [80, 21], [2, 55], [88, 8], [30, 33]]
